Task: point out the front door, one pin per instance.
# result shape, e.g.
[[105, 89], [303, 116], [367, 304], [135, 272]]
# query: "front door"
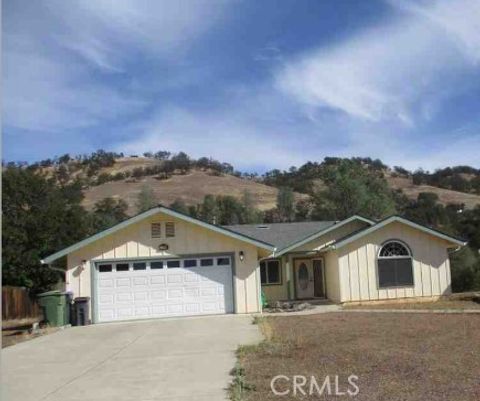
[[304, 278]]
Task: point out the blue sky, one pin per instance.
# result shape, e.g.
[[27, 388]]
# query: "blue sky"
[[260, 84]]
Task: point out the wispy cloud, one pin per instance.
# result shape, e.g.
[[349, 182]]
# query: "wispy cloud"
[[459, 20], [226, 134], [140, 75], [384, 73], [61, 58], [41, 94], [361, 97], [159, 28]]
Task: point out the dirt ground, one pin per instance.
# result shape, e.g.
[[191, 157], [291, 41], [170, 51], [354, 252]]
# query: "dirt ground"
[[442, 304], [15, 336], [395, 357]]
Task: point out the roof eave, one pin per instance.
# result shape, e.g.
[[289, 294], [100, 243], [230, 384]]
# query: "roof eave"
[[392, 219]]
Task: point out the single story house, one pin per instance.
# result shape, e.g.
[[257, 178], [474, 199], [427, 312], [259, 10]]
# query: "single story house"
[[163, 263]]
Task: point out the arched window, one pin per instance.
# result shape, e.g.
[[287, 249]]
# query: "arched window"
[[395, 268]]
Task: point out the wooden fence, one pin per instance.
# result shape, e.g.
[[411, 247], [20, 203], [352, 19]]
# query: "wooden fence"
[[18, 304]]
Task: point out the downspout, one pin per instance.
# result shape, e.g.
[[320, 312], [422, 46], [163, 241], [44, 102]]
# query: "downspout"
[[57, 269]]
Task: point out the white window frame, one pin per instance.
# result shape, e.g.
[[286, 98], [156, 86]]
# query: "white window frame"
[[409, 256]]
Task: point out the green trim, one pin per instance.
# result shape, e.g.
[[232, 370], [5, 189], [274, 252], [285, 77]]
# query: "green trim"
[[314, 236], [148, 213], [93, 291], [402, 220]]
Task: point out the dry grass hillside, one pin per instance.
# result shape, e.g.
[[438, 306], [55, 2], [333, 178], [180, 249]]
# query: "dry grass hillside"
[[129, 163], [445, 196], [191, 187]]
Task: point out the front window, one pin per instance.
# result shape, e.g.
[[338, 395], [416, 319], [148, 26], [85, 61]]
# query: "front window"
[[395, 268], [270, 272]]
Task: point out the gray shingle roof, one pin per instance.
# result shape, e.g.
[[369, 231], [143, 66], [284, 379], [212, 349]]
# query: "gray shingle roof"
[[281, 235]]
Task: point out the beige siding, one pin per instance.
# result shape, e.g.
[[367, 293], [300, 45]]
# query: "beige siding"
[[278, 292], [358, 265], [332, 276], [275, 293], [135, 241]]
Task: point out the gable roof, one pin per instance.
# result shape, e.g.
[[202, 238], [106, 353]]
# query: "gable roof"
[[317, 234], [359, 234], [281, 234], [288, 236], [151, 212]]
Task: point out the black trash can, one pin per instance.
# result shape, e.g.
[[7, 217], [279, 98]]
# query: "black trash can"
[[82, 311]]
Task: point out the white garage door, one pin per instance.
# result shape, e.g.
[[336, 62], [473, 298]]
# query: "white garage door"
[[161, 288]]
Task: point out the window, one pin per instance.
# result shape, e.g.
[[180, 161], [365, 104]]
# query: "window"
[[223, 261], [270, 272], [173, 264], [190, 263], [121, 267], [206, 262], [156, 230], [139, 266], [156, 265], [170, 229], [395, 267], [105, 268]]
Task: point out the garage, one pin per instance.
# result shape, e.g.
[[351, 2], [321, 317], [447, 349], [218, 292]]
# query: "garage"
[[162, 263], [141, 289]]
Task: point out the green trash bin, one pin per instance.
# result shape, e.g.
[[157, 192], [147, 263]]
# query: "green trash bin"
[[56, 307]]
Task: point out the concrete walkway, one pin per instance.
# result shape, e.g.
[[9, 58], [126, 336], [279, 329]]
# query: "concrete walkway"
[[334, 308], [314, 310], [169, 359], [440, 311]]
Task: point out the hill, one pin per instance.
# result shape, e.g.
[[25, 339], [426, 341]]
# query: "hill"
[[190, 187], [107, 174], [445, 196]]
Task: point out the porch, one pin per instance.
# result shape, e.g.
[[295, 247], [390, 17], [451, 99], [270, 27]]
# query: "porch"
[[297, 277]]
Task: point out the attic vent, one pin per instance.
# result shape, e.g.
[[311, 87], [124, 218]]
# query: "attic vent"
[[170, 229], [263, 227], [156, 230]]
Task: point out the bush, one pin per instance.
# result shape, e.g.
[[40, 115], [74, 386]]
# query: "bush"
[[465, 269]]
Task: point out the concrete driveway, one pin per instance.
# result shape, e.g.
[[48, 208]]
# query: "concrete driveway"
[[169, 359]]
